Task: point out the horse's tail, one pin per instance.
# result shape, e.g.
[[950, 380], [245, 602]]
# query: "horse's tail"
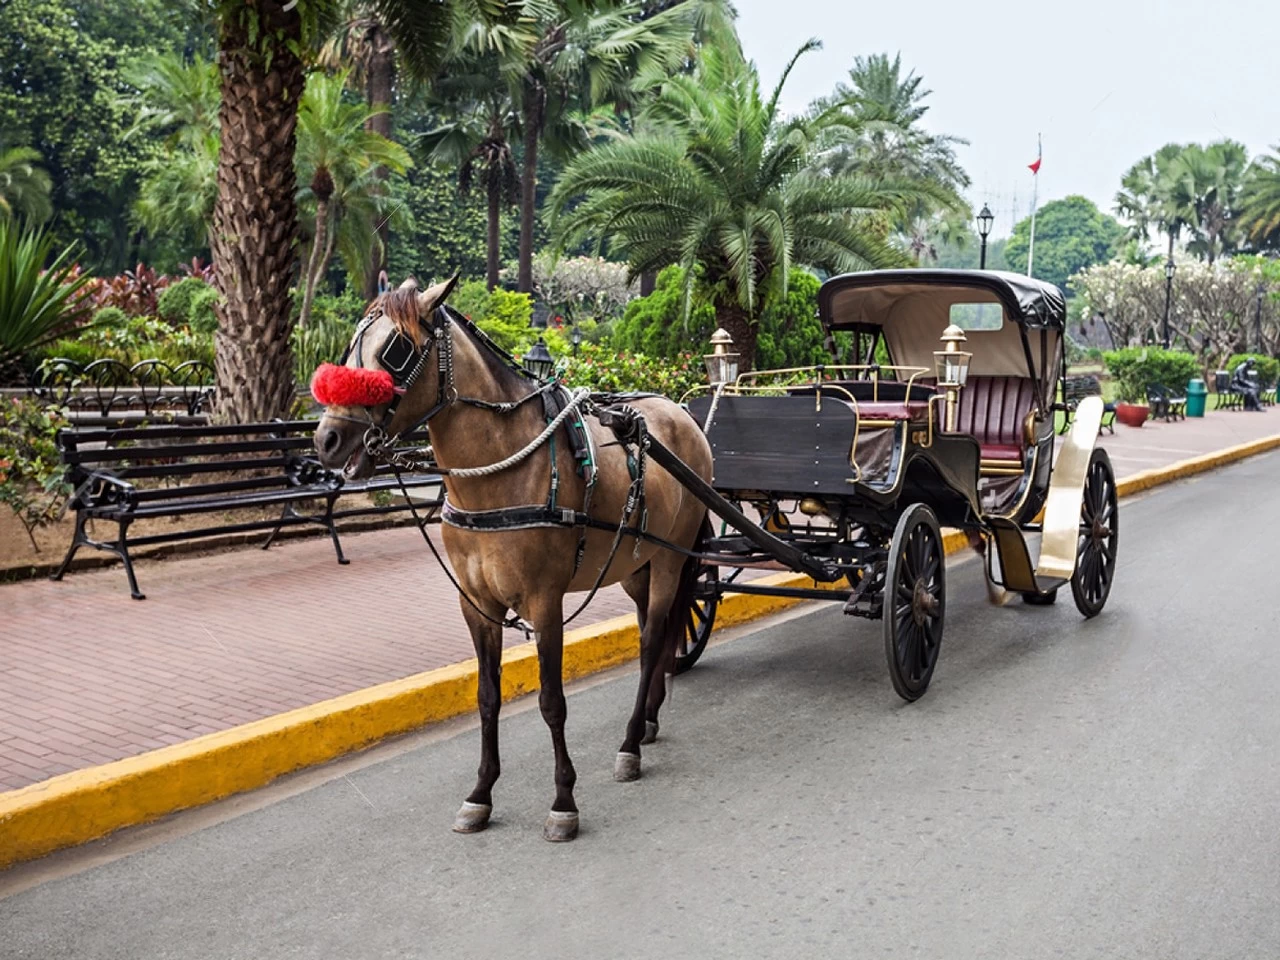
[[686, 594]]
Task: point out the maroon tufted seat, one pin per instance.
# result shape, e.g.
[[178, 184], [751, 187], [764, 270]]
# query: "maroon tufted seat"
[[992, 410]]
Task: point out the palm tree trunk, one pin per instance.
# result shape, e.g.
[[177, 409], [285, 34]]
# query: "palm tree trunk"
[[492, 241], [314, 266], [380, 89], [532, 121], [255, 217], [737, 323], [648, 281]]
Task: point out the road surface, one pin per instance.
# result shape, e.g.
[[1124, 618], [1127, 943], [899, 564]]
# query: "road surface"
[[1066, 789]]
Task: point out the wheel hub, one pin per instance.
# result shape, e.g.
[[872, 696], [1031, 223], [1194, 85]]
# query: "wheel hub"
[[923, 603], [1100, 531]]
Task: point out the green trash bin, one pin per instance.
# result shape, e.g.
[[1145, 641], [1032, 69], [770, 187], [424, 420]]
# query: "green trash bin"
[[1197, 394]]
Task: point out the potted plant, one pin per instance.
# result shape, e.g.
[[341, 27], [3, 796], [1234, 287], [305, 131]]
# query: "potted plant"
[[1132, 409]]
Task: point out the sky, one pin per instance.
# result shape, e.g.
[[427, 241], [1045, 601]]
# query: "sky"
[[1105, 83]]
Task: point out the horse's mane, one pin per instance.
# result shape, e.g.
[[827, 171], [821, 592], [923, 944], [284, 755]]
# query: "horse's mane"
[[400, 306]]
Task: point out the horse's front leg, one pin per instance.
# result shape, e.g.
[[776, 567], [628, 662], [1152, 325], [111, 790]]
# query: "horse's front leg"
[[487, 638], [562, 821]]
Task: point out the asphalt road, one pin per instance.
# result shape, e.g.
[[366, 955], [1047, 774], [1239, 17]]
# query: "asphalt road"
[[1065, 789]]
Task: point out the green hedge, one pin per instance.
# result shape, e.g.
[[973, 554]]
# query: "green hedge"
[[1268, 367], [1137, 368]]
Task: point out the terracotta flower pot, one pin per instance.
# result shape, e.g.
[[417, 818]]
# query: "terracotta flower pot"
[[1132, 414]]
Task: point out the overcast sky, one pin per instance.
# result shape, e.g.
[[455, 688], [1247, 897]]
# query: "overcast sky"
[[1105, 81]]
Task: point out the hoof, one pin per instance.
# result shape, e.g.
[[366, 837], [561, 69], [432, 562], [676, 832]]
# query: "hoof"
[[626, 768], [561, 826], [650, 732], [472, 817]]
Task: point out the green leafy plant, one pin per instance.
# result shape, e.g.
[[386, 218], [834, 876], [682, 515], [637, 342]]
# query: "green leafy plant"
[[607, 369], [38, 303], [1135, 369], [1267, 368], [31, 477]]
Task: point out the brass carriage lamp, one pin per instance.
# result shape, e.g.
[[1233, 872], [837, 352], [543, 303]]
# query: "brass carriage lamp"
[[722, 361], [953, 370], [538, 362]]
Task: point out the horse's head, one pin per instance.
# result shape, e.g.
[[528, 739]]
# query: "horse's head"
[[390, 357]]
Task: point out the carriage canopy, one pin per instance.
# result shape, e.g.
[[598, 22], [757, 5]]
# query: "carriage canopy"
[[1013, 324]]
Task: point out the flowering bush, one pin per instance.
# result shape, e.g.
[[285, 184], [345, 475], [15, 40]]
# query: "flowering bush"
[[31, 478], [612, 371], [583, 287]]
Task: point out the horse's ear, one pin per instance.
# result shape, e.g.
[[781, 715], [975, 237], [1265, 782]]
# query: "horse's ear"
[[433, 297]]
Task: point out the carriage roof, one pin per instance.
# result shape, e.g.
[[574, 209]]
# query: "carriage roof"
[[911, 308]]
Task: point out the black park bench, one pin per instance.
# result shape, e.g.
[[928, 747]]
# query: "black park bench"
[[1076, 389], [125, 475]]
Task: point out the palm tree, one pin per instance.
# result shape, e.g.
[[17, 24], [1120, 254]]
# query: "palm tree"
[[1152, 197], [585, 54], [477, 141], [1260, 207], [884, 136], [24, 186], [261, 46], [338, 154], [1206, 184], [178, 189], [720, 184]]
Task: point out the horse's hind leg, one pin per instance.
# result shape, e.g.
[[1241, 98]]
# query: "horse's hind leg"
[[664, 584], [637, 588], [562, 821], [487, 638]]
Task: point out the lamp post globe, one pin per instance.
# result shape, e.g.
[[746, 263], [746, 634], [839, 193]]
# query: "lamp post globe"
[[985, 219]]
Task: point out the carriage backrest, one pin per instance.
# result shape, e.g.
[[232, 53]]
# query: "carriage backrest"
[[993, 410]]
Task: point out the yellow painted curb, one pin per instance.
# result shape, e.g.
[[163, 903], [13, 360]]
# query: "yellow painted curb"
[[91, 803]]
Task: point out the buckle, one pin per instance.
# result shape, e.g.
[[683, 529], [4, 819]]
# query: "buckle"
[[568, 517]]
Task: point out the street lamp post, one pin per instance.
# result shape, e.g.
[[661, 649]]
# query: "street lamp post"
[[1257, 317], [575, 338], [985, 219], [1168, 297]]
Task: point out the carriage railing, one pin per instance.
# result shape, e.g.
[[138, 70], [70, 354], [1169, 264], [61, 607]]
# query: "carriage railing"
[[819, 374]]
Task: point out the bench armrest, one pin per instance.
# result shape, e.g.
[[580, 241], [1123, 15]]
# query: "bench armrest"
[[101, 488]]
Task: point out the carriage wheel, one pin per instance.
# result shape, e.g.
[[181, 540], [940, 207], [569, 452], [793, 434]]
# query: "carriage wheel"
[[1099, 536], [914, 601], [701, 618]]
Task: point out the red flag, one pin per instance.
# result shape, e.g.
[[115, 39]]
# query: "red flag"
[[1035, 167]]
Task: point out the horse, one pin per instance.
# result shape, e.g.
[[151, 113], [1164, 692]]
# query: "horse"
[[480, 408]]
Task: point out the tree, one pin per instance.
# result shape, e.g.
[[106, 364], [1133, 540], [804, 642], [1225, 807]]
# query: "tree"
[[1260, 206], [1071, 234], [720, 184], [1206, 186], [477, 140], [61, 94], [24, 186], [262, 46], [584, 54], [339, 155]]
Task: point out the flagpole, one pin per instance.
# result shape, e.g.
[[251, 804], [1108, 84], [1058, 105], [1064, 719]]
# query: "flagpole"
[[1035, 196]]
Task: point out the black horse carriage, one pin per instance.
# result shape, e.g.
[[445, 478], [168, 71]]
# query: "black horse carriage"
[[854, 469]]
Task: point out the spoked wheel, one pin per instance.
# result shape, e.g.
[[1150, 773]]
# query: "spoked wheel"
[[1099, 536], [702, 617], [914, 601]]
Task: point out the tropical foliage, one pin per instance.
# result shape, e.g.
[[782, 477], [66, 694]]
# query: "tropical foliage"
[[720, 183], [31, 474], [41, 296], [1071, 234]]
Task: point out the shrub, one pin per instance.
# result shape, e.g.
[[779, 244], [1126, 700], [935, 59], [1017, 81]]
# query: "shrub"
[[790, 333], [610, 370], [189, 302], [470, 298], [42, 295], [509, 308], [31, 479], [110, 317], [1137, 368], [656, 326], [1268, 368]]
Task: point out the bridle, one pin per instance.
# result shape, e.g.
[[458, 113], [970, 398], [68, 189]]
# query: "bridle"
[[404, 360]]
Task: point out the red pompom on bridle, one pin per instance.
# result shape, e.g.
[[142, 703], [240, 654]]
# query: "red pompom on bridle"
[[335, 386]]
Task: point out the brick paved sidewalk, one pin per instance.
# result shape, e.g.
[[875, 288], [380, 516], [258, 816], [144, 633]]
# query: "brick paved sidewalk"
[[88, 675]]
